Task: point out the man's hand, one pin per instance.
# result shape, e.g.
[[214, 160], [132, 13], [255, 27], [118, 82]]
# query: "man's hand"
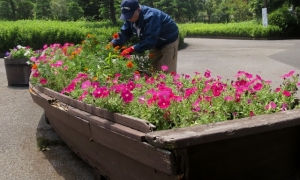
[[127, 51]]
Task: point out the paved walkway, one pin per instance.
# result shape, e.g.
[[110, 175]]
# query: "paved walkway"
[[21, 120]]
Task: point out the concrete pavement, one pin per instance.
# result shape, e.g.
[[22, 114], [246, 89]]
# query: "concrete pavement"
[[21, 120]]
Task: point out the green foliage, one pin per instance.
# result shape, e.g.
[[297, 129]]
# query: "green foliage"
[[43, 9], [283, 18], [75, 11], [243, 29], [25, 10]]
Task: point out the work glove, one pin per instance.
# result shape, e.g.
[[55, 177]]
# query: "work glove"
[[127, 51]]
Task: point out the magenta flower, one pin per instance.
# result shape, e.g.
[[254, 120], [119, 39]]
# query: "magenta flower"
[[70, 88], [127, 96], [277, 89], [258, 86], [228, 98], [286, 93], [137, 76], [163, 103], [36, 73], [117, 75], [118, 88], [130, 85], [251, 113], [288, 74], [65, 68], [284, 107], [189, 92], [142, 99], [271, 105], [207, 74], [164, 68], [43, 81], [95, 84], [86, 84], [83, 95]]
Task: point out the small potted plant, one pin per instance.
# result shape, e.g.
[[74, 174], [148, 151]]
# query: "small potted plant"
[[17, 65]]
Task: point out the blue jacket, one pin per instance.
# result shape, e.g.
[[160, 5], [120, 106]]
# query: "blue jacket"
[[157, 29]]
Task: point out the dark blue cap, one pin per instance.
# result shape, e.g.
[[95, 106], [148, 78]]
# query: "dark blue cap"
[[128, 7]]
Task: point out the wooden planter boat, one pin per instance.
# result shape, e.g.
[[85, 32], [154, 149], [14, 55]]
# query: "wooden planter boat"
[[126, 148]]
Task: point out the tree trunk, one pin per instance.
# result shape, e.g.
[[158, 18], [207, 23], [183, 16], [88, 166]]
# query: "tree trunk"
[[13, 9], [112, 11]]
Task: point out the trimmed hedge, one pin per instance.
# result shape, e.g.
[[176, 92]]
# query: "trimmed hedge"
[[243, 29], [36, 33]]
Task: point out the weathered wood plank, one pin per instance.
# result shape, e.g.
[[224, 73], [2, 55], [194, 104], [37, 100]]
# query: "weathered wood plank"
[[126, 131], [142, 152], [108, 162], [184, 137]]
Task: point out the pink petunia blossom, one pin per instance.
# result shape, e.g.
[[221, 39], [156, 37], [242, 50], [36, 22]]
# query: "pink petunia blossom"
[[95, 84], [83, 95], [271, 105], [43, 81], [164, 68], [288, 74], [286, 93], [207, 74], [130, 85], [228, 98], [278, 89], [127, 96], [284, 107], [36, 73], [86, 84], [258, 86], [163, 103], [251, 113]]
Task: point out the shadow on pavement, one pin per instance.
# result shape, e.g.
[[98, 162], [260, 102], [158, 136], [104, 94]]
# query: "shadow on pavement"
[[65, 162]]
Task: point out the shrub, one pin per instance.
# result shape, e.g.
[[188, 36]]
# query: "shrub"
[[283, 18]]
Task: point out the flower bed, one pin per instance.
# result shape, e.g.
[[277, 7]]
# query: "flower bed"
[[129, 122], [96, 74]]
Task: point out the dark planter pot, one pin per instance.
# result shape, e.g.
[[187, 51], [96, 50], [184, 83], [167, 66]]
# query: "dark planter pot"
[[122, 147], [17, 71]]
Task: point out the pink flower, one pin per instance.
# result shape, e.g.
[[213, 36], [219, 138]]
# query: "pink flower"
[[284, 107], [189, 92], [257, 86], [277, 89], [65, 68], [100, 92], [251, 113], [95, 84], [70, 88], [36, 74], [142, 99], [163, 103], [271, 105], [137, 76], [127, 96], [164, 68], [130, 85], [43, 81], [207, 74], [118, 88], [86, 84], [83, 95], [228, 98], [286, 93], [288, 74]]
